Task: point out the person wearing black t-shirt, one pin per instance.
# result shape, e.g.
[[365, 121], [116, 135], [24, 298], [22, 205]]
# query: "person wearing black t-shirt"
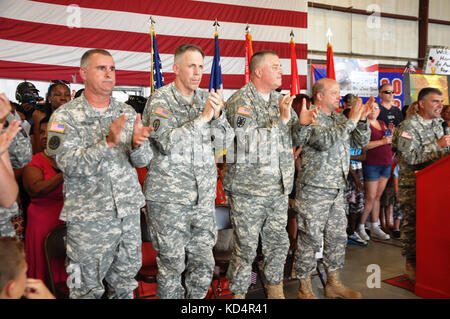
[[389, 113]]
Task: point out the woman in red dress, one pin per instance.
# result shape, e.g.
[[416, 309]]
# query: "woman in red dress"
[[43, 182]]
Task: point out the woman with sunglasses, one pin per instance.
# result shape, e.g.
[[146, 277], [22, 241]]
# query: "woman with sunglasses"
[[389, 113], [58, 94], [377, 171]]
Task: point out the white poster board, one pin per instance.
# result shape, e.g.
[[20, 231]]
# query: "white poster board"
[[437, 60], [357, 76]]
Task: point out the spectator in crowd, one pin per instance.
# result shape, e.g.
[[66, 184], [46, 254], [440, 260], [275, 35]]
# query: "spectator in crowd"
[[349, 100], [320, 196], [137, 102], [390, 114], [377, 170], [390, 213], [43, 182], [420, 141], [180, 187], [354, 192], [8, 185], [58, 94], [96, 142], [28, 97], [446, 114], [14, 283], [18, 155], [292, 214], [264, 122]]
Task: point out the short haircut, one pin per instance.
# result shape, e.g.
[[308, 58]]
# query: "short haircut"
[[89, 53], [257, 58], [383, 85], [425, 91], [12, 255], [318, 87], [183, 48], [350, 99]]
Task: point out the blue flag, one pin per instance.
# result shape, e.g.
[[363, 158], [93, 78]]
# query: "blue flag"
[[158, 79], [215, 81]]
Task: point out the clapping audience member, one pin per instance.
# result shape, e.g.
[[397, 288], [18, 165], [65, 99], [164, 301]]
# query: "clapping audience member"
[[43, 182], [355, 190], [8, 186], [58, 94], [14, 283], [377, 170]]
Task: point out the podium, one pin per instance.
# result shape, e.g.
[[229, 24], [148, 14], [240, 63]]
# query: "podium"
[[432, 230]]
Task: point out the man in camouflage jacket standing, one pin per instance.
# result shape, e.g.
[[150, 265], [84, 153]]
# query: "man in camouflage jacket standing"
[[259, 173], [96, 142], [190, 128], [322, 180], [420, 141]]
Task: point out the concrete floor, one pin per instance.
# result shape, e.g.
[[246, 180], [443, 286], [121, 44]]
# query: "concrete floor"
[[386, 254]]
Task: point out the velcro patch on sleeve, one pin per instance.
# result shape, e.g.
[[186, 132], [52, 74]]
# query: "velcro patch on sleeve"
[[57, 127], [406, 135], [244, 110], [162, 112]]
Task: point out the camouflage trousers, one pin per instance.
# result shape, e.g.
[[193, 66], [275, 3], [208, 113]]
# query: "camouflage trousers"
[[6, 226], [252, 216], [103, 249], [407, 197], [321, 216], [183, 237]]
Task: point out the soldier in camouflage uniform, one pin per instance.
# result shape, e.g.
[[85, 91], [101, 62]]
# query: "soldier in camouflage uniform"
[[96, 142], [20, 153], [420, 141], [321, 184], [259, 173], [180, 187], [9, 187]]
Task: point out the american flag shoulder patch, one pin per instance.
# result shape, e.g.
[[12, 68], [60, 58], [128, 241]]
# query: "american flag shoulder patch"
[[57, 127], [406, 135], [244, 110], [162, 111]]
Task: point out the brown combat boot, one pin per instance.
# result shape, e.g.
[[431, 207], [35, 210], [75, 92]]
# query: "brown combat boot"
[[335, 289], [275, 291], [238, 296], [305, 289], [410, 271]]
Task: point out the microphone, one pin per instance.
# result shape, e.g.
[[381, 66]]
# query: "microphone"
[[445, 128]]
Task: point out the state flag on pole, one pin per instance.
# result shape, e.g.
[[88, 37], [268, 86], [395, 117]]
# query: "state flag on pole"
[[330, 63], [215, 81], [295, 81], [156, 79], [248, 56]]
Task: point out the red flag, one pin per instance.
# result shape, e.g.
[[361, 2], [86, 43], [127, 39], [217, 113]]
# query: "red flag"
[[295, 81], [248, 55], [330, 63]]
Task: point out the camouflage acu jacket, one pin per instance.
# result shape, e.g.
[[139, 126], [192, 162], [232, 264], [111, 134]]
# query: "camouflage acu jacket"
[[326, 150], [416, 143], [99, 182], [183, 170], [261, 162]]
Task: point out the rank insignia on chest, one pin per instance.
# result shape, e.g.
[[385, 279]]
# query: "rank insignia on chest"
[[162, 112], [57, 127], [240, 122], [406, 135], [315, 122], [244, 110]]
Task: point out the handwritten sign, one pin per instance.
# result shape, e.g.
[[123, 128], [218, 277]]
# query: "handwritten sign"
[[437, 60]]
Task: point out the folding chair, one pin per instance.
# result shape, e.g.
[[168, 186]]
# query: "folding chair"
[[55, 248]]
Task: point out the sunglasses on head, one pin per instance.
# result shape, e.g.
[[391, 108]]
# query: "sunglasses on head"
[[388, 92]]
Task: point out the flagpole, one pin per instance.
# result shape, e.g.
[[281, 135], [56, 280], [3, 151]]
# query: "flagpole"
[[152, 31]]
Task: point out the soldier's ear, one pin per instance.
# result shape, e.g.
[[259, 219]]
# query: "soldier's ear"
[[83, 74]]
